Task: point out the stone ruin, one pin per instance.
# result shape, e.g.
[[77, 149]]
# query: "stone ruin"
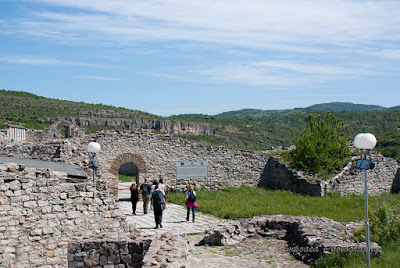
[[308, 237], [155, 156], [48, 219]]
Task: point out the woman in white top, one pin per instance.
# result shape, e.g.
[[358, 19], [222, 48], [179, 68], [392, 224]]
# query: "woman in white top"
[[162, 186]]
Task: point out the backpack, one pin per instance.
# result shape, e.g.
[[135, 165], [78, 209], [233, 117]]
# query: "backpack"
[[192, 197], [159, 198], [145, 189]]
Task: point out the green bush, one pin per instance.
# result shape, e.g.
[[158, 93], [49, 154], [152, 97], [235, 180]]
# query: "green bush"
[[323, 146], [384, 224]]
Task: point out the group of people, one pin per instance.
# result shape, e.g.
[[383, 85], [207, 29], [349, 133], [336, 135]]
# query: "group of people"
[[155, 194]]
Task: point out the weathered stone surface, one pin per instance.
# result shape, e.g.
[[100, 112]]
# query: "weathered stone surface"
[[49, 218], [308, 237], [385, 177]]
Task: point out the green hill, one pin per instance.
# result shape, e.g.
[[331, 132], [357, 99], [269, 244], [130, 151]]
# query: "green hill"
[[38, 112], [345, 106]]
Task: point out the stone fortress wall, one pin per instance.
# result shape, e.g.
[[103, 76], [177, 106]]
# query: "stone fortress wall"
[[155, 157]]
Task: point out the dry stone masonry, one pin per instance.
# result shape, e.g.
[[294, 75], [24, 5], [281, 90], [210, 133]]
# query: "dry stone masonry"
[[385, 177], [309, 237], [42, 212], [155, 157]]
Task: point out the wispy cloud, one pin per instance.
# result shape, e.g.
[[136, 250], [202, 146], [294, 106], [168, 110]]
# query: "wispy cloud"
[[277, 73], [33, 60], [98, 77], [311, 26]]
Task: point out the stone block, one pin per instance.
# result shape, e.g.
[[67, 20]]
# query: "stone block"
[[76, 264], [113, 259]]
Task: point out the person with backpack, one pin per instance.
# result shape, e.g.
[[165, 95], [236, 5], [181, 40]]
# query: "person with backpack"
[[158, 202], [191, 202], [145, 190]]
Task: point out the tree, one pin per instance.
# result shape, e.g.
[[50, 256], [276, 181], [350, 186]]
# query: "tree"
[[323, 146]]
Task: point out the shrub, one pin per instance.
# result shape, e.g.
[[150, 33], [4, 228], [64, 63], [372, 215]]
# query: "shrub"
[[384, 225], [322, 146]]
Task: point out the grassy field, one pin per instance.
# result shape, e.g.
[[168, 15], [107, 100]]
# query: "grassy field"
[[126, 178], [231, 203]]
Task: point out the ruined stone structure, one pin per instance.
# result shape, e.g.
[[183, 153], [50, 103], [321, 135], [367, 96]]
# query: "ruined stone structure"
[[50, 220], [385, 177], [13, 132], [43, 211], [309, 237], [155, 156]]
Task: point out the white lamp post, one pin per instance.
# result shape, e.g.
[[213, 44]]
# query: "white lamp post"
[[93, 148], [365, 142]]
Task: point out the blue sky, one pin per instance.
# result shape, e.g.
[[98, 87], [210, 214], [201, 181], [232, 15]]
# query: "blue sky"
[[173, 57]]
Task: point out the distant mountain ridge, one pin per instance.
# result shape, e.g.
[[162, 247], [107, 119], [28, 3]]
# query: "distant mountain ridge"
[[323, 107]]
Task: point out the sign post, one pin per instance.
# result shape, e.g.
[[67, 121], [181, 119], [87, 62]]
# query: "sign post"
[[191, 170]]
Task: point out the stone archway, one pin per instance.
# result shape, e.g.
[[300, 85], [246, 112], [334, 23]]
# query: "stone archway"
[[127, 158], [68, 127]]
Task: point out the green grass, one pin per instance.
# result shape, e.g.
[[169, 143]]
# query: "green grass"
[[232, 203], [126, 178], [390, 258], [238, 203]]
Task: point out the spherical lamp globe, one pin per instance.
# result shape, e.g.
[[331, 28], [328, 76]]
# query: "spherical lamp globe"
[[365, 141], [93, 147]]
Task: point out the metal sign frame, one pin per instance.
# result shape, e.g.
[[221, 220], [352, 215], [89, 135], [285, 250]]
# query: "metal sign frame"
[[191, 170]]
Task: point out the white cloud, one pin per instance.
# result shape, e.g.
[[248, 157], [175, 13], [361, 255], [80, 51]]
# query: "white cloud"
[[278, 73], [284, 25], [33, 60], [98, 77]]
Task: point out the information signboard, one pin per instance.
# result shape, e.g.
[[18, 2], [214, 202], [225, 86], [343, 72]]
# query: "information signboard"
[[191, 170]]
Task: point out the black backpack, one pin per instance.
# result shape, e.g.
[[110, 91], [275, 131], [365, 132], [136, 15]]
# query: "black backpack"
[[159, 198], [146, 188], [192, 197]]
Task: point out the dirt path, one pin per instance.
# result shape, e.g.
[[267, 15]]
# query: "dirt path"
[[253, 253]]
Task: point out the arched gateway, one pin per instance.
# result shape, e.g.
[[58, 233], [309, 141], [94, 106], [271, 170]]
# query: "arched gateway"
[[127, 158]]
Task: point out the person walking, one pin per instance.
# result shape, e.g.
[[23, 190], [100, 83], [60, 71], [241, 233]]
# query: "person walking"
[[191, 202], [153, 186], [134, 197], [145, 190], [158, 202], [162, 187]]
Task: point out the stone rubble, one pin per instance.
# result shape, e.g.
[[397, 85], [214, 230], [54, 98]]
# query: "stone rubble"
[[308, 237]]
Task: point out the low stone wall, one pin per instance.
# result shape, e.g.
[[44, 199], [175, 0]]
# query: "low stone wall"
[[106, 254], [42, 211], [278, 175], [309, 237], [385, 177]]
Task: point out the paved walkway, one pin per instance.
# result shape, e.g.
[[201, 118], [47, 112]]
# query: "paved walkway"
[[174, 217]]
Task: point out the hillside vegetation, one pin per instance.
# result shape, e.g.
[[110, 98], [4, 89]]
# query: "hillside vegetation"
[[252, 129], [38, 112]]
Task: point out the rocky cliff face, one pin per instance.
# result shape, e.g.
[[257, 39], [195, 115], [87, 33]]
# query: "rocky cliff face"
[[164, 126]]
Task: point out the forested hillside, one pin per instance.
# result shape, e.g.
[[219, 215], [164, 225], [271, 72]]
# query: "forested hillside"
[[247, 129], [36, 112]]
